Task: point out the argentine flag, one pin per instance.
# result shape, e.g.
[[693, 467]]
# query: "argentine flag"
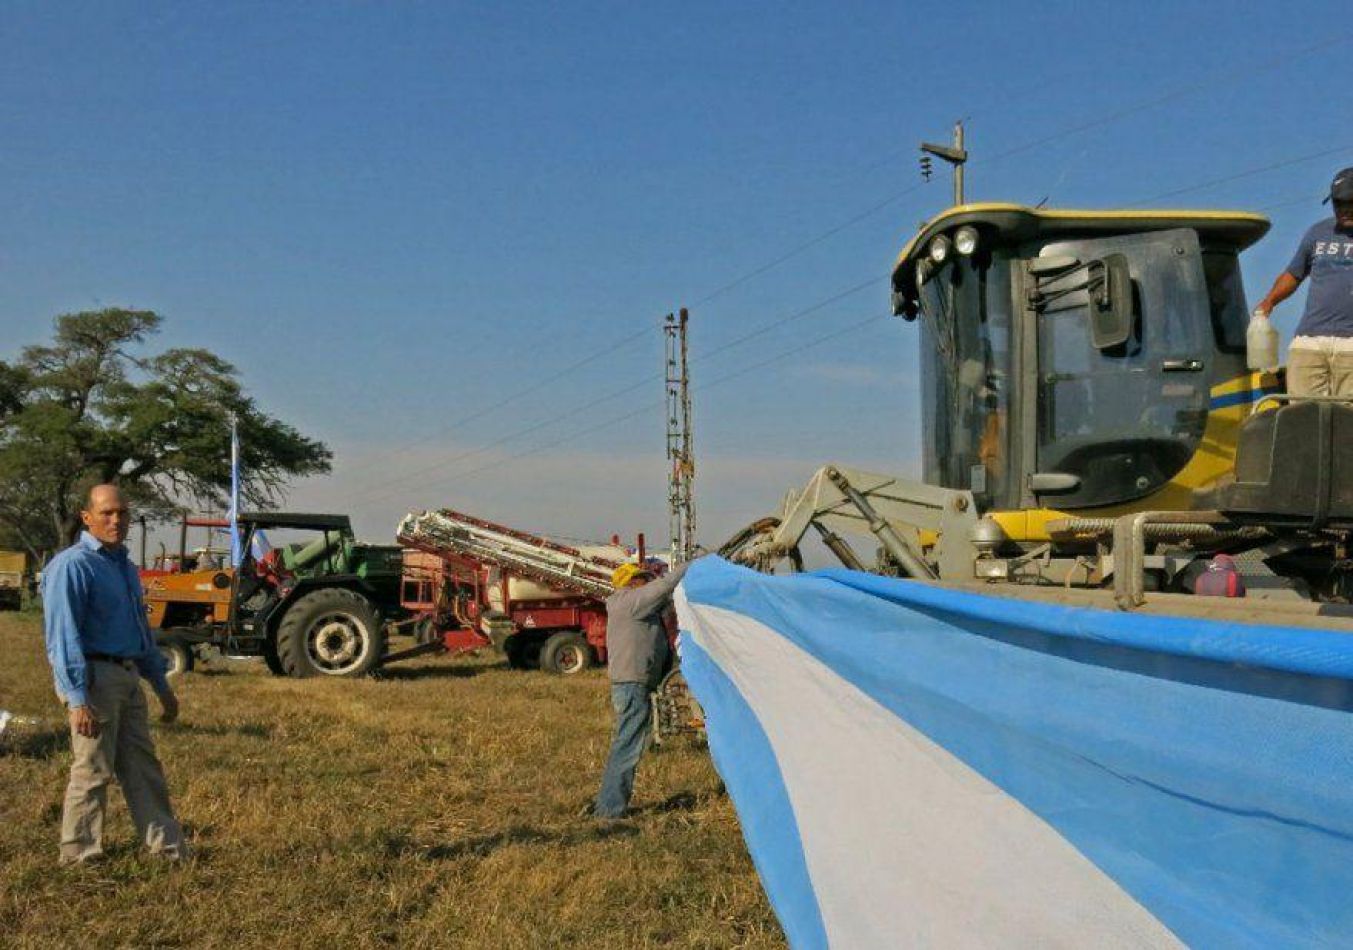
[[916, 766]]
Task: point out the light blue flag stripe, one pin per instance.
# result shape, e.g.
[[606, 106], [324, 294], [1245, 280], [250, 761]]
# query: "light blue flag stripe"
[[1217, 795], [744, 757]]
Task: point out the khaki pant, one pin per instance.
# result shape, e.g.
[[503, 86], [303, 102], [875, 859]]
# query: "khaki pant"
[[1319, 369], [123, 750]]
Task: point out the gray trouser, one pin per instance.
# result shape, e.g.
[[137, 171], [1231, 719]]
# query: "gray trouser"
[[1316, 370], [123, 750]]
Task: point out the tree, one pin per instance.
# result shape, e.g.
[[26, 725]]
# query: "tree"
[[89, 408]]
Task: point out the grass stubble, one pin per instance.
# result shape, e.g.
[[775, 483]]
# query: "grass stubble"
[[433, 806]]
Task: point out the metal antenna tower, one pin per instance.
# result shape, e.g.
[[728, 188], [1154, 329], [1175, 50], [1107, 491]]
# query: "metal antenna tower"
[[680, 449]]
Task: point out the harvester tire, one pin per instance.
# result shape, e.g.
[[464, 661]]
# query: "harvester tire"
[[567, 653], [330, 632], [178, 655]]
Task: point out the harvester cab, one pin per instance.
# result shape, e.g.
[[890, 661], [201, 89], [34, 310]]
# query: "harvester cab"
[[1084, 392], [1079, 361]]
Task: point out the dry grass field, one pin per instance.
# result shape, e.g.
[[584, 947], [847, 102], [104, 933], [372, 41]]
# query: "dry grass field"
[[434, 806]]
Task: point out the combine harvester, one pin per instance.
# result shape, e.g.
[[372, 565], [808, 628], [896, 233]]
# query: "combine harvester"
[[541, 602], [1092, 682]]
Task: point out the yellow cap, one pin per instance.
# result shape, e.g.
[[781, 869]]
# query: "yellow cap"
[[625, 573]]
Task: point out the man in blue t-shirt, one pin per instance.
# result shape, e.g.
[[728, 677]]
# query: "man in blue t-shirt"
[[1320, 360]]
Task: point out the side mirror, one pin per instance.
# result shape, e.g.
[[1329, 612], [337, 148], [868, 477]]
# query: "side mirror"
[[1110, 291]]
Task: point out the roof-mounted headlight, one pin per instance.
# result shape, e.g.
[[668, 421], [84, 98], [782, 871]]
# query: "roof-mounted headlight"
[[965, 240], [938, 249]]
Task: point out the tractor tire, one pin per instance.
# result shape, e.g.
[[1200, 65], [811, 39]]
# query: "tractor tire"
[[522, 651], [178, 655], [330, 632], [567, 653], [271, 658]]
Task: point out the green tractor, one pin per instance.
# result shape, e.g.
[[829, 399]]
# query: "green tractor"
[[318, 608], [311, 608]]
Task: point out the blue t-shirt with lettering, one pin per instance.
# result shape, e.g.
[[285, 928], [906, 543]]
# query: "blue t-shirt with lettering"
[[1326, 257]]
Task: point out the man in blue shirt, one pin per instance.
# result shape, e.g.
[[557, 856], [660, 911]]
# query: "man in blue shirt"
[[100, 646], [1320, 359]]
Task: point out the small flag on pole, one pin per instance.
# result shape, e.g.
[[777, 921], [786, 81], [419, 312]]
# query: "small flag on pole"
[[236, 555]]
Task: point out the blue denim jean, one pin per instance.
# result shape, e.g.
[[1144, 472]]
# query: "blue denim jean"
[[632, 712]]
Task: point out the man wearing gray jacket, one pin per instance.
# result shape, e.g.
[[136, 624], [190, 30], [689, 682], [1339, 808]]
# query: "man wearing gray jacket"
[[637, 654]]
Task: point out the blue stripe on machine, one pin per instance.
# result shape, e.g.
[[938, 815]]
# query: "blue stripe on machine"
[[1243, 397]]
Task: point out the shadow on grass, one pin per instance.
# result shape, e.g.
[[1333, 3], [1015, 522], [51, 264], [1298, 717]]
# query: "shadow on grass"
[[681, 801], [40, 744], [481, 846], [429, 672]]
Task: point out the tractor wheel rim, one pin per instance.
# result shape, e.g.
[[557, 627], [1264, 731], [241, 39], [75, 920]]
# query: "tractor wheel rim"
[[337, 643], [172, 661], [570, 659]]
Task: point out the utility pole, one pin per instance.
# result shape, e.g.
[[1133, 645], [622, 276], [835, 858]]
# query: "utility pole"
[[680, 449], [954, 154]]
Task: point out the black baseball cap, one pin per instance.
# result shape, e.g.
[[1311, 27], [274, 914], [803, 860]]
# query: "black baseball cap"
[[1341, 189]]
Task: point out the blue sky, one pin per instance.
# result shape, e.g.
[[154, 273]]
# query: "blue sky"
[[394, 216]]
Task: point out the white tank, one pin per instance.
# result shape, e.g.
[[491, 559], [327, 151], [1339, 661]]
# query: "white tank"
[[1261, 343], [520, 588]]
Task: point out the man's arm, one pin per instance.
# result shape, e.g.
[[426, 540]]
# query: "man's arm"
[[1290, 279], [650, 597], [64, 587], [1285, 286], [151, 663]]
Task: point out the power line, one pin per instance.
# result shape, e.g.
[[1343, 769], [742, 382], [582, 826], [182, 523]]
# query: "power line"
[[776, 324], [1248, 173], [384, 489], [860, 216], [1202, 185], [370, 491], [520, 394], [656, 406], [1176, 93], [1098, 122], [795, 252], [1209, 82], [396, 483], [1307, 198]]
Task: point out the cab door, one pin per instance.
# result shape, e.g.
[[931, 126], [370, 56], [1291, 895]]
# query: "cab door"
[[1115, 424]]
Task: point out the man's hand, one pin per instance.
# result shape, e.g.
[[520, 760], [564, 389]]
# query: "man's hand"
[[169, 706], [84, 722]]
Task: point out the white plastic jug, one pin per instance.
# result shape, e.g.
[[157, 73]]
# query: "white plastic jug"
[[1261, 343]]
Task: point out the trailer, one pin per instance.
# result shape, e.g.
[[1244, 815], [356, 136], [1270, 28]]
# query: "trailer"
[[474, 583], [13, 575]]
